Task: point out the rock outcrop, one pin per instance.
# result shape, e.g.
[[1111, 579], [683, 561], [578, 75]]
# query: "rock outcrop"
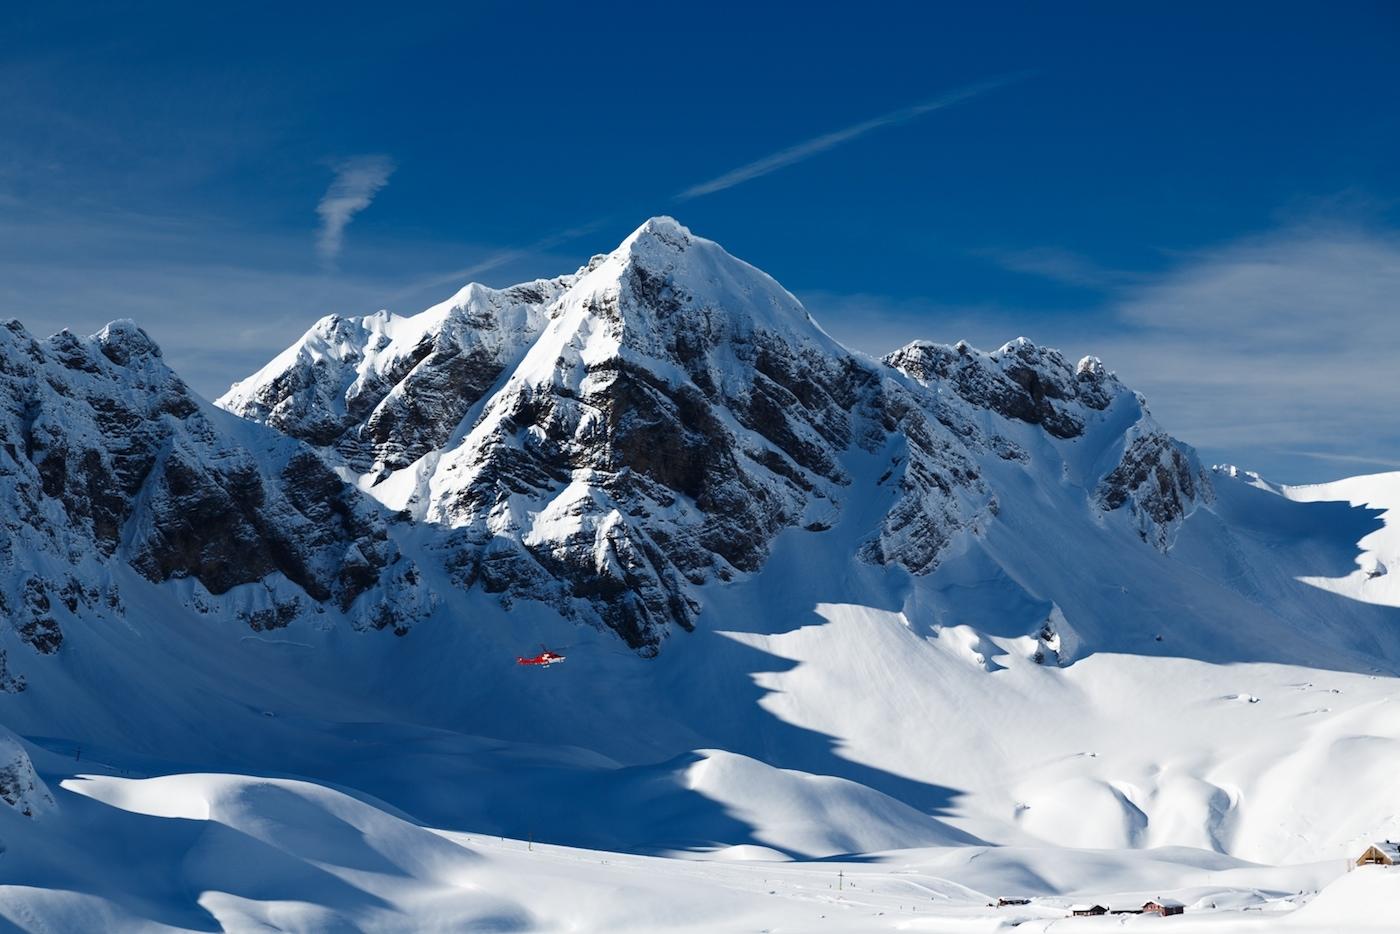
[[20, 786], [1158, 482], [106, 456]]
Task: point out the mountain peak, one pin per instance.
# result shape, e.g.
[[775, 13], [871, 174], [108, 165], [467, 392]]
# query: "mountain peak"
[[664, 275], [663, 226], [124, 340]]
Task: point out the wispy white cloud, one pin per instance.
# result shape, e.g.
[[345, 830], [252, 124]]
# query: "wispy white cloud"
[[357, 180], [1272, 345], [1062, 266], [1276, 351], [819, 144]]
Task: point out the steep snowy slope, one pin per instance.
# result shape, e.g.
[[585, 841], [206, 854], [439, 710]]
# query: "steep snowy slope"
[[813, 604]]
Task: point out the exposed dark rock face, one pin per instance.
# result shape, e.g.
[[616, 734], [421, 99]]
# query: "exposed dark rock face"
[[35, 623], [941, 490], [20, 786], [9, 683], [1159, 480], [106, 456], [1019, 380], [669, 439]]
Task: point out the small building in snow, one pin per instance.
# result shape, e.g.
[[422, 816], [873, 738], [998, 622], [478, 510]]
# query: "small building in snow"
[[1087, 911], [1004, 901], [1380, 854], [1164, 907]]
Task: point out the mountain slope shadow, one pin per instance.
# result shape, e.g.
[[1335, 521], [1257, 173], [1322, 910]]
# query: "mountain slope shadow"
[[1229, 589]]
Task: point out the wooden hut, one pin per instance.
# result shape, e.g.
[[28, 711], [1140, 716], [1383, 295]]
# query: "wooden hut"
[[1005, 901], [1163, 906], [1087, 911], [1380, 854]]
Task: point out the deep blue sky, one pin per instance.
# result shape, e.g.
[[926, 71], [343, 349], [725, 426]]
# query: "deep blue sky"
[[1204, 195]]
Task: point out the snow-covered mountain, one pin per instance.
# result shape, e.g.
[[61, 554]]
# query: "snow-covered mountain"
[[813, 603], [609, 441]]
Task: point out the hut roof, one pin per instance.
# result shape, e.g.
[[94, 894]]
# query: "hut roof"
[[1390, 849]]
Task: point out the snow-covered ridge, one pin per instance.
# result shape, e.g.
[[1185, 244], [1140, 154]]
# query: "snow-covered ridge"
[[609, 440], [376, 387], [1019, 380]]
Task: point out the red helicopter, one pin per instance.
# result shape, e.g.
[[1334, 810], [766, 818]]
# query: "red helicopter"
[[544, 659]]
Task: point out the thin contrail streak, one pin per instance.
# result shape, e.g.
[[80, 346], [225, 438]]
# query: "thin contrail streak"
[[806, 150], [738, 176]]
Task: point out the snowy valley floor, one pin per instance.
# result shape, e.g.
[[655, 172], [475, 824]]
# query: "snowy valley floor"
[[210, 852]]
